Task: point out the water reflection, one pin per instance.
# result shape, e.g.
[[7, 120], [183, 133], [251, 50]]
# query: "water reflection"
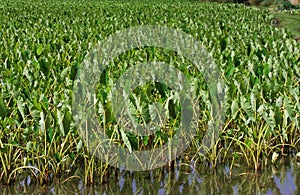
[[280, 179]]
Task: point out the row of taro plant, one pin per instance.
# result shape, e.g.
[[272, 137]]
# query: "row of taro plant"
[[43, 44]]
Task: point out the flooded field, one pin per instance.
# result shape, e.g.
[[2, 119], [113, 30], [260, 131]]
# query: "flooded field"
[[89, 85], [277, 179]]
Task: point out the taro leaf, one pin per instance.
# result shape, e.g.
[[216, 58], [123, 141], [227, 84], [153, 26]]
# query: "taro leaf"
[[42, 122], [57, 157], [126, 140], [21, 107], [236, 155], [60, 123], [289, 108], [295, 93], [253, 101], [132, 113], [162, 88], [248, 142], [39, 50], [266, 69], [102, 94], [146, 140], [67, 121], [134, 140], [284, 134], [36, 104], [28, 145], [246, 106], [108, 112], [230, 70], [156, 110], [50, 133], [269, 118], [72, 156], [64, 73], [33, 110], [79, 145], [234, 108], [2, 108], [145, 115], [279, 102], [278, 116], [27, 131], [35, 114], [171, 107], [285, 118]]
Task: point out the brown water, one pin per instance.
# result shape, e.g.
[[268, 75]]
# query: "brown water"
[[284, 178]]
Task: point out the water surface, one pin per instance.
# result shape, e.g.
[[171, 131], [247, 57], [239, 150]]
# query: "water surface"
[[283, 178]]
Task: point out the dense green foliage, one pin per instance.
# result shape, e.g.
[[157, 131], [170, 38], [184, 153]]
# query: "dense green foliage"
[[43, 43]]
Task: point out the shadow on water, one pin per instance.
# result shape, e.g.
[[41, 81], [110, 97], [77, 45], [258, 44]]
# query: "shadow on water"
[[283, 178]]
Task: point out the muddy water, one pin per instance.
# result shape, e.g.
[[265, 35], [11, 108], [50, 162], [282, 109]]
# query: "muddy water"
[[283, 178]]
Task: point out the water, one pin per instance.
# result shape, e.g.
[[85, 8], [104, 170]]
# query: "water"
[[283, 178]]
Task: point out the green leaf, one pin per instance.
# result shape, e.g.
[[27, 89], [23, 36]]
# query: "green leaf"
[[279, 102], [289, 108], [230, 70], [145, 140], [21, 107], [126, 140], [271, 119], [28, 145], [79, 145], [268, 117], [57, 157], [50, 133], [234, 108], [67, 121], [246, 106], [60, 123], [39, 50], [2, 108], [156, 110], [266, 69], [72, 156]]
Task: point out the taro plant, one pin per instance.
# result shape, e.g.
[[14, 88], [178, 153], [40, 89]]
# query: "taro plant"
[[42, 47]]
